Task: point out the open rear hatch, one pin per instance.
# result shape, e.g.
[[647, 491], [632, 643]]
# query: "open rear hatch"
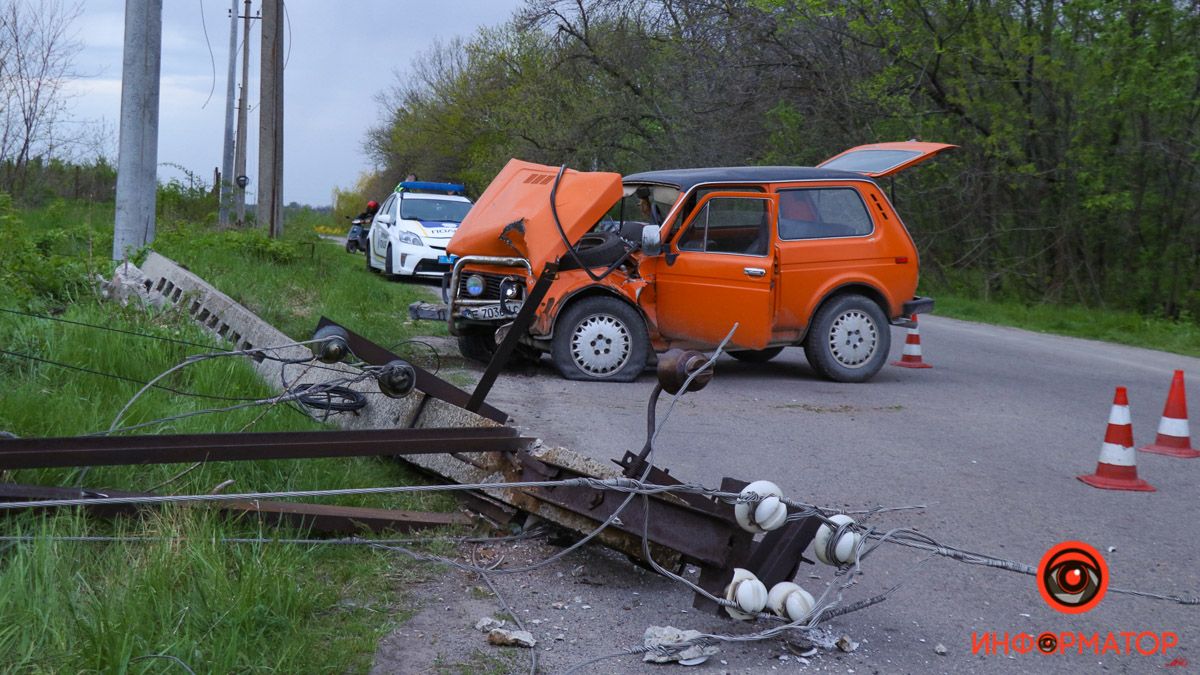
[[880, 160], [513, 216]]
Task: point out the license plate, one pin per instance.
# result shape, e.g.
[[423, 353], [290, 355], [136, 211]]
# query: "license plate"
[[486, 313], [447, 259]]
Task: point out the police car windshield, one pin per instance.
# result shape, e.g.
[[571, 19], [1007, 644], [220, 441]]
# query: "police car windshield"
[[440, 210]]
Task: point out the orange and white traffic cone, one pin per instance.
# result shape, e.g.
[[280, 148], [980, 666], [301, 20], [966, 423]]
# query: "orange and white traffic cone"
[[911, 357], [1117, 468], [1174, 439]]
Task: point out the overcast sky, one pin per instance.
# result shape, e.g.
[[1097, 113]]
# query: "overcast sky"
[[342, 54]]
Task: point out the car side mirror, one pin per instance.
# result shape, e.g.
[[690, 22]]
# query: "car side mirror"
[[384, 219], [651, 243]]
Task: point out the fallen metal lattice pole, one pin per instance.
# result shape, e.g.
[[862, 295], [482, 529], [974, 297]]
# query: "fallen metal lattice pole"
[[28, 453]]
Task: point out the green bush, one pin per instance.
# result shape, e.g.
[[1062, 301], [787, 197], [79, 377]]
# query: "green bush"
[[49, 256]]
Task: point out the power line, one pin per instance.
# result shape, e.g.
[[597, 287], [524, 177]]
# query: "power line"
[[123, 378]]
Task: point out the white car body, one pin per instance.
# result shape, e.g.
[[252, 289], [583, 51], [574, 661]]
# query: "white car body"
[[410, 231]]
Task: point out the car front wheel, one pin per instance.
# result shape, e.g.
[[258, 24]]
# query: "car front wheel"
[[600, 338], [480, 345], [387, 263], [848, 340]]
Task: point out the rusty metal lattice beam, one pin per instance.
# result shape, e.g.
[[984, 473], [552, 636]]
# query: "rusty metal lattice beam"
[[27, 453], [426, 381]]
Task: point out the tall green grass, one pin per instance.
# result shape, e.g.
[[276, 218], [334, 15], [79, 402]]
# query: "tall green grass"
[[293, 282], [119, 607], [1109, 325]]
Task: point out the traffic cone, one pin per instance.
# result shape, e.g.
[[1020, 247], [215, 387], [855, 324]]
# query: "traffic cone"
[[911, 357], [1173, 436], [1117, 468]]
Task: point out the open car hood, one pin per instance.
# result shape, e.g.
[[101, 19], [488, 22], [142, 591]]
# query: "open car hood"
[[513, 216], [880, 160]]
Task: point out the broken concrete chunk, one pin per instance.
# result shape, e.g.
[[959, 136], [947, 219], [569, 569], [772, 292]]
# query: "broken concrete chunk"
[[128, 283], [940, 649], [845, 644], [511, 638], [665, 636], [488, 624]]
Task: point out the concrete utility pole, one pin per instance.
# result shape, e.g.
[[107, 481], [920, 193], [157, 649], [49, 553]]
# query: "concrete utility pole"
[[239, 164], [270, 120], [227, 151], [137, 156]]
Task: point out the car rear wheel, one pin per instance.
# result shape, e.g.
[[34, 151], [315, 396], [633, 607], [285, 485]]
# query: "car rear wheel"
[[600, 338], [848, 340], [756, 355], [370, 267]]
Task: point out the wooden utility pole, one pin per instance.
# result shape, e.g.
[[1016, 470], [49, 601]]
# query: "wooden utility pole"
[[137, 157], [239, 162], [226, 178], [270, 120]]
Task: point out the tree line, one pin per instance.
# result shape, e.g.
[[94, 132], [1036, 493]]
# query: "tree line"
[[1078, 121]]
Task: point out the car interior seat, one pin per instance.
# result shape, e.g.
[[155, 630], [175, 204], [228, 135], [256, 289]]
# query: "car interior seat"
[[797, 217]]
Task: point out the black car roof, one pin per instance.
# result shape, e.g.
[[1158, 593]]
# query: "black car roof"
[[685, 179]]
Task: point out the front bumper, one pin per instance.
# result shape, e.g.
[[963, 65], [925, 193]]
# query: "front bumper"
[[462, 310]]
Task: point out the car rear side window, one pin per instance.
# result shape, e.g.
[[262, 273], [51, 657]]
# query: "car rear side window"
[[729, 225], [819, 213]]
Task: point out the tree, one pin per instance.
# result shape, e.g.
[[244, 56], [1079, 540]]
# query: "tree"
[[36, 55]]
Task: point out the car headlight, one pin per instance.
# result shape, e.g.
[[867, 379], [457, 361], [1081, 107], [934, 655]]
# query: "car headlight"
[[475, 285], [411, 238], [510, 288]]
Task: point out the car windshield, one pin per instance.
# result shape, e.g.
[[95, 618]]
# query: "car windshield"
[[640, 206], [440, 210]]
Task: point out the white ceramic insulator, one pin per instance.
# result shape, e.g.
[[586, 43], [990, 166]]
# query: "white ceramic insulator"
[[789, 601], [771, 514], [844, 550], [747, 592], [752, 516]]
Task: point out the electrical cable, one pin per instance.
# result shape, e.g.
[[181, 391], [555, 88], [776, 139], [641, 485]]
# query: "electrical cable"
[[533, 661], [437, 358], [105, 328], [336, 398], [211, 58], [123, 378], [567, 242]]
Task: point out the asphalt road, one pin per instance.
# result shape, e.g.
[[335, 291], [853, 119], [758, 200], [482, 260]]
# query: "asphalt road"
[[991, 440]]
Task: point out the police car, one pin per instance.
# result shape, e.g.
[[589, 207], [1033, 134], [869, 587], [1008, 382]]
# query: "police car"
[[409, 233]]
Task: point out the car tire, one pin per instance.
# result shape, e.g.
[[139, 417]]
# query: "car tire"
[[595, 249], [756, 355], [480, 345], [600, 338], [370, 267], [848, 340], [387, 263]]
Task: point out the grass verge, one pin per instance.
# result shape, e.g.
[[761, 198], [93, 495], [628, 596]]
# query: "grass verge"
[[217, 607], [1180, 337]]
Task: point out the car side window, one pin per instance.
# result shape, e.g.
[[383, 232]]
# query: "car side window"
[[729, 225], [818, 213], [387, 204]]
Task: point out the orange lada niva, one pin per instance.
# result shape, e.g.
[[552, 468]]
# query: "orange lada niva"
[[815, 257]]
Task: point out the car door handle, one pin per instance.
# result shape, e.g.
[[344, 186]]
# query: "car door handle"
[[755, 272]]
